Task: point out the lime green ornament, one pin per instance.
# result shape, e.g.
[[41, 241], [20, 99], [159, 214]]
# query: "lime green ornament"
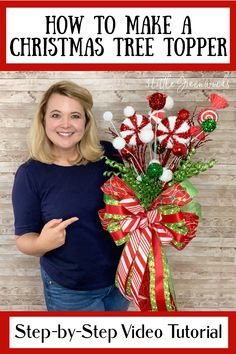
[[154, 170], [208, 125]]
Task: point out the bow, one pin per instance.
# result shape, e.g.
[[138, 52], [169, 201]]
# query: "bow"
[[143, 273]]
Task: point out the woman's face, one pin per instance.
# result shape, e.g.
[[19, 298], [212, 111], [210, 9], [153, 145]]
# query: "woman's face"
[[64, 122]]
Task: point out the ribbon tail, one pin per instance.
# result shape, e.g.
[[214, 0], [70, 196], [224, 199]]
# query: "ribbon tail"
[[164, 299], [125, 266], [140, 264]]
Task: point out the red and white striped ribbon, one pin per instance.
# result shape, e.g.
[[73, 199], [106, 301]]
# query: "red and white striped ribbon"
[[142, 224]]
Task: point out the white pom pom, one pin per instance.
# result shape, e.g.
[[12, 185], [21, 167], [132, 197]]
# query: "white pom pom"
[[166, 175], [119, 143], [169, 103], [146, 135], [154, 161], [139, 178], [129, 111], [107, 116]]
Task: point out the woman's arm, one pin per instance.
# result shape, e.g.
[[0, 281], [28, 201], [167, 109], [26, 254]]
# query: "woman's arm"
[[29, 244]]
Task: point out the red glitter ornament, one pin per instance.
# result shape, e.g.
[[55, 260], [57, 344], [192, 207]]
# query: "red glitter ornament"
[[183, 114], [179, 149], [157, 100]]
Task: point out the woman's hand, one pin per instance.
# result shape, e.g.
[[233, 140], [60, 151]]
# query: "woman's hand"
[[53, 234]]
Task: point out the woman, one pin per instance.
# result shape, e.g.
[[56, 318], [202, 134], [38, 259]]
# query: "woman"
[[56, 198]]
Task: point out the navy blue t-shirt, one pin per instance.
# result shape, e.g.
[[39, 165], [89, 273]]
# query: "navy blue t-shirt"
[[42, 192]]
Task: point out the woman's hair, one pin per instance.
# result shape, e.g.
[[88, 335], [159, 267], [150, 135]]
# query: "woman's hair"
[[89, 148]]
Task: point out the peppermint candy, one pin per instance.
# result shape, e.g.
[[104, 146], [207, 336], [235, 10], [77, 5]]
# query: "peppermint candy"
[[173, 130], [207, 113], [133, 128]]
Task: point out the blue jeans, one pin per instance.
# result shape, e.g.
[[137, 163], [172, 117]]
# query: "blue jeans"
[[59, 298]]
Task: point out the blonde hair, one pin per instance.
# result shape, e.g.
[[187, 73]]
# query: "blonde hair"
[[89, 148]]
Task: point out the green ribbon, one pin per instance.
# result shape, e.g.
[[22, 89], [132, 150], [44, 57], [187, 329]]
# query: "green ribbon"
[[191, 207], [189, 187]]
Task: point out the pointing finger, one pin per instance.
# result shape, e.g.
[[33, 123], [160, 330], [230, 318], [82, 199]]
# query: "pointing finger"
[[53, 222], [68, 222]]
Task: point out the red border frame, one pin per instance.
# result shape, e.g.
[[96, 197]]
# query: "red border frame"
[[4, 316], [4, 333], [118, 67]]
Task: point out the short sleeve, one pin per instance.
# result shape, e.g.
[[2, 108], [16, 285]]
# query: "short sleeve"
[[26, 203]]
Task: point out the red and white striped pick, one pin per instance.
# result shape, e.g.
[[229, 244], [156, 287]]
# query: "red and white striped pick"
[[207, 113], [157, 116]]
